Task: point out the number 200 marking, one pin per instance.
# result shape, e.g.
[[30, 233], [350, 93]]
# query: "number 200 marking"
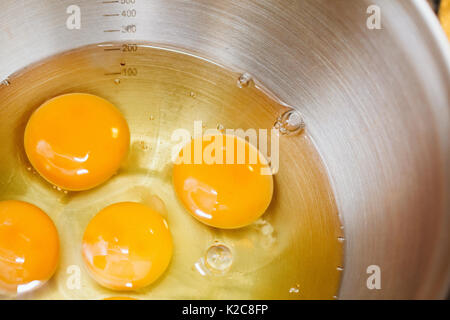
[[129, 48]]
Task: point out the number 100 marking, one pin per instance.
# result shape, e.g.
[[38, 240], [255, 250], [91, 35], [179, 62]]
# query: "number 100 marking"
[[129, 72]]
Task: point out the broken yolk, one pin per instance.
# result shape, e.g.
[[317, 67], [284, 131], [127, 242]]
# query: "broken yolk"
[[29, 247], [127, 246], [229, 193], [76, 141]]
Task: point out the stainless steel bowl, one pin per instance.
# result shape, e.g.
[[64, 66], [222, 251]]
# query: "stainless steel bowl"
[[376, 103]]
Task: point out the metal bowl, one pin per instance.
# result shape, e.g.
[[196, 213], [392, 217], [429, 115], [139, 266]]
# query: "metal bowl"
[[376, 103]]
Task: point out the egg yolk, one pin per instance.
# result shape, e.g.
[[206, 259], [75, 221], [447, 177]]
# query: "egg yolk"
[[127, 246], [229, 193], [29, 247], [76, 141]]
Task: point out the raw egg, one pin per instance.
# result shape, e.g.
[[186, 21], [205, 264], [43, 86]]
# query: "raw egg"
[[29, 247], [230, 193], [127, 246], [76, 141]]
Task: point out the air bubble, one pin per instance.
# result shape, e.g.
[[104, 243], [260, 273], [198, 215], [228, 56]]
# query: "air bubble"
[[267, 231], [244, 80], [290, 122], [143, 145], [294, 289], [117, 81], [219, 258]]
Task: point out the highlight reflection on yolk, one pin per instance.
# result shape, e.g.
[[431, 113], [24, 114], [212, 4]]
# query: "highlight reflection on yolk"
[[228, 195], [29, 247], [127, 246], [76, 141]]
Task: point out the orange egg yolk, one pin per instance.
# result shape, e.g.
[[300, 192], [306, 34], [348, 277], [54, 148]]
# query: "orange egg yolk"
[[127, 246], [229, 193], [29, 247], [76, 141]]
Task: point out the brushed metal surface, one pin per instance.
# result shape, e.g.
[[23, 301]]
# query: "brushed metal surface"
[[376, 103]]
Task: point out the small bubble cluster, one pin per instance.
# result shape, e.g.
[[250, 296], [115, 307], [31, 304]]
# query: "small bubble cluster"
[[290, 123], [295, 289], [244, 80], [143, 145], [5, 82]]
